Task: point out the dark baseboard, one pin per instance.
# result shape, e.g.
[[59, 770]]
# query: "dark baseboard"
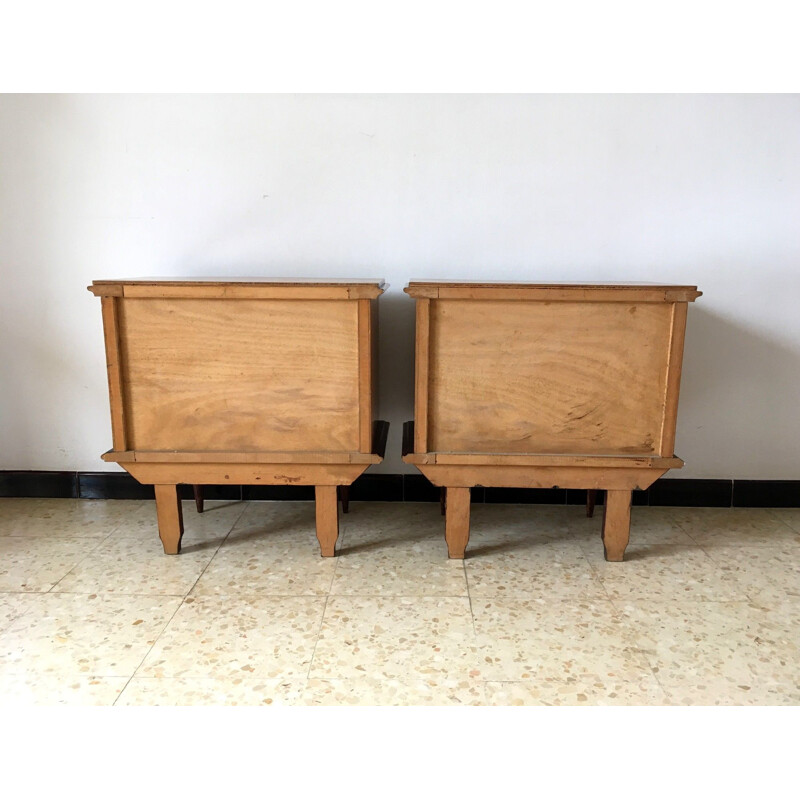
[[408, 488]]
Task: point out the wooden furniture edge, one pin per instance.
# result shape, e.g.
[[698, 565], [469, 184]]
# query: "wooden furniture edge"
[[543, 460], [672, 383], [541, 477], [250, 474], [422, 352], [220, 457], [366, 398], [237, 290], [555, 293]]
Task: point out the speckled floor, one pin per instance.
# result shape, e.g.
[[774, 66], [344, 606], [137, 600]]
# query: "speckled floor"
[[705, 611]]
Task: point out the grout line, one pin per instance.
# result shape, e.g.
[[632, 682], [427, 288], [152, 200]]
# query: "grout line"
[[76, 565], [149, 650], [316, 641], [217, 549], [469, 600], [179, 606]]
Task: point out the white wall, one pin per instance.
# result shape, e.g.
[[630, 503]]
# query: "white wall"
[[695, 189]]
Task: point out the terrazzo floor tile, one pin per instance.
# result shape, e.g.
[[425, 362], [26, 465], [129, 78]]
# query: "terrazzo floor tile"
[[655, 526], [13, 605], [251, 564], [416, 568], [690, 643], [765, 573], [210, 692], [552, 642], [57, 690], [396, 638], [583, 691], [704, 611], [271, 521], [69, 635], [68, 518], [726, 693], [667, 572], [37, 564], [391, 692], [387, 553], [16, 507], [752, 527], [529, 524], [788, 516], [223, 637], [372, 527], [130, 565], [200, 531], [299, 691], [531, 570]]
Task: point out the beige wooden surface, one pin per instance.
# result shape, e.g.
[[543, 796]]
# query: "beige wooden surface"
[[240, 288], [222, 456], [553, 292], [518, 377], [543, 460], [240, 375]]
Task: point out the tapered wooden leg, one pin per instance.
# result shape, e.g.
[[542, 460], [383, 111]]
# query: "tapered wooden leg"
[[443, 500], [170, 517], [344, 496], [616, 523], [327, 519], [457, 521], [198, 497], [591, 499]]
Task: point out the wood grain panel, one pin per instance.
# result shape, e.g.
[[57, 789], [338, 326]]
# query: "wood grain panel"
[[243, 375], [536, 377]]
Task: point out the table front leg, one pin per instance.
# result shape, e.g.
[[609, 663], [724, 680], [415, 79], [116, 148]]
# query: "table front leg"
[[327, 508], [456, 521], [170, 517], [616, 523]]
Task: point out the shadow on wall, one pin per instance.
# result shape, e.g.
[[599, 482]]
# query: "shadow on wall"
[[738, 400]]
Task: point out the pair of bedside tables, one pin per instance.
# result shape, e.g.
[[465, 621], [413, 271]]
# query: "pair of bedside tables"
[[273, 382]]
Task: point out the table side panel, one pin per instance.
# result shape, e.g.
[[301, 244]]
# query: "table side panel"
[[240, 375], [537, 377], [110, 313]]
